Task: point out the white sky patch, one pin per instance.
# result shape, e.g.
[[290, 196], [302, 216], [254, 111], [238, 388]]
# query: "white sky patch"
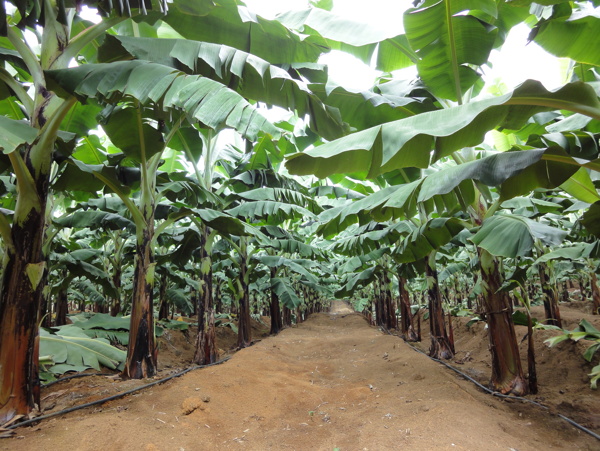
[[518, 61], [90, 14], [348, 71]]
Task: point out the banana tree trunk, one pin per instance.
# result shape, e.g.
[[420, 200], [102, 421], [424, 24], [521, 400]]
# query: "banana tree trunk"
[[406, 318], [142, 352], [61, 308], [287, 316], [20, 300], [441, 347], [507, 372], [244, 331], [390, 306], [274, 309], [163, 310], [25, 269], [115, 308], [378, 304], [206, 344], [531, 369], [550, 299], [595, 293]]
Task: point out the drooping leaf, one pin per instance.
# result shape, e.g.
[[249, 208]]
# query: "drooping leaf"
[[282, 195], [250, 76], [513, 236], [428, 238], [287, 295], [223, 222], [14, 134], [95, 219], [102, 321], [207, 101], [234, 25], [408, 142], [363, 278], [570, 37], [72, 346], [135, 138], [591, 219], [449, 44], [270, 211]]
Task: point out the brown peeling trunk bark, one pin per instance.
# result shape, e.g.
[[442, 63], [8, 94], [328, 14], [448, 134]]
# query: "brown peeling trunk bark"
[[115, 308], [440, 345], [206, 342], [595, 293], [142, 352], [390, 306], [531, 370], [287, 316], [62, 308], [244, 331], [406, 318], [20, 299], [507, 372], [550, 299], [275, 310], [163, 310]]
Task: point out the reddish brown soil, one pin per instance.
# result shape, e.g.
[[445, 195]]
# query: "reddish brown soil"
[[332, 382]]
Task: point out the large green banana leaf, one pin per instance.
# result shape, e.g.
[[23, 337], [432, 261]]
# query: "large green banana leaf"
[[229, 23], [362, 261], [14, 134], [444, 190], [514, 236], [70, 345], [278, 261], [591, 219], [282, 195], [205, 100], [575, 253], [250, 76], [270, 211], [357, 38], [408, 142], [428, 238], [292, 246], [362, 278], [367, 109], [364, 239], [287, 295], [449, 41], [571, 36]]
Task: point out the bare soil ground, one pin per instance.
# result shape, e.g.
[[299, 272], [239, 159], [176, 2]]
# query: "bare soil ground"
[[332, 382]]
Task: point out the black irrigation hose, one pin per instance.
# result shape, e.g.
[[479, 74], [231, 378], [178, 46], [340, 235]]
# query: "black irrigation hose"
[[500, 395], [111, 398]]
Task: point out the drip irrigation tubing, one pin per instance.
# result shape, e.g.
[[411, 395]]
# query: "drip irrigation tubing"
[[111, 398], [499, 395]]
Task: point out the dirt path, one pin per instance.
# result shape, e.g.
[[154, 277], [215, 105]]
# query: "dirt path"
[[333, 382]]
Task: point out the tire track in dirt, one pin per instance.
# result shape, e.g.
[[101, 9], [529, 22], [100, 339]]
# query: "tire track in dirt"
[[332, 382]]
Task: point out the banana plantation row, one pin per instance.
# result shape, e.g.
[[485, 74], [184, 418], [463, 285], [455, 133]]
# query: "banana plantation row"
[[121, 192]]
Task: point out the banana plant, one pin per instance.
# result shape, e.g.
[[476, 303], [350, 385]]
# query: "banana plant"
[[109, 233], [588, 252], [30, 134]]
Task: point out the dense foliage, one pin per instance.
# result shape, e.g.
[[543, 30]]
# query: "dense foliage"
[[141, 175]]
